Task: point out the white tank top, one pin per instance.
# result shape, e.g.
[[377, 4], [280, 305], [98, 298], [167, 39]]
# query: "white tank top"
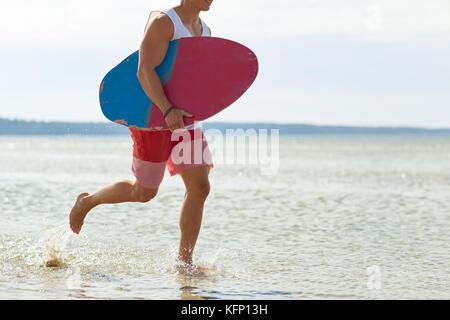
[[180, 31]]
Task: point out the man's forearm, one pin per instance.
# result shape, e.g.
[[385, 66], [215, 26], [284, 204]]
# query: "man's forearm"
[[152, 86]]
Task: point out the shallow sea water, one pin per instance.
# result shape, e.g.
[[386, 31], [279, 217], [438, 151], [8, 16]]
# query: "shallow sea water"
[[343, 217]]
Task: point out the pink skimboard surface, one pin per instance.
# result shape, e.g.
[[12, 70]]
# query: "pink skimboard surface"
[[202, 75]]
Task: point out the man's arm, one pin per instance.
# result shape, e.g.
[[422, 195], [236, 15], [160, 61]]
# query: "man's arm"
[[151, 54]]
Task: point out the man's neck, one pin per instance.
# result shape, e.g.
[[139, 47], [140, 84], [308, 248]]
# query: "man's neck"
[[188, 14]]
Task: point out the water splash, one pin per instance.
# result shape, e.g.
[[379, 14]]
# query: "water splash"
[[55, 241]]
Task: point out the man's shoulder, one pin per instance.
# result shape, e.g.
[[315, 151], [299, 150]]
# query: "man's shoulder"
[[162, 19], [160, 23]]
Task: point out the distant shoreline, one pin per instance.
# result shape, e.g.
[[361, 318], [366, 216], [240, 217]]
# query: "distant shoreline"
[[25, 127]]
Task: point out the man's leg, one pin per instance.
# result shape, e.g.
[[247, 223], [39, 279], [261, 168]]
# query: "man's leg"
[[197, 190], [117, 192]]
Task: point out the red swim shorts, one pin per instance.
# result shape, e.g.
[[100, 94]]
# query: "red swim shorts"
[[153, 151]]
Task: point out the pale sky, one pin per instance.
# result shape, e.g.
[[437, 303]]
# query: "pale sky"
[[348, 62]]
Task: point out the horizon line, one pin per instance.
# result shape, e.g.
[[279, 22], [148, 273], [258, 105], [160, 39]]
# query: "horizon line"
[[400, 126]]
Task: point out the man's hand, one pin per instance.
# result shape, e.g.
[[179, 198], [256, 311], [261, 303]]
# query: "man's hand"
[[174, 119]]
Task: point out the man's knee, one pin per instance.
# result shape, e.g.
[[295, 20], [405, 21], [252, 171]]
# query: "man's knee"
[[141, 194], [146, 196], [200, 190]]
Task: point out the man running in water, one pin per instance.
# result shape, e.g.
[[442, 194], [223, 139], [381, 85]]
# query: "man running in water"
[[152, 149]]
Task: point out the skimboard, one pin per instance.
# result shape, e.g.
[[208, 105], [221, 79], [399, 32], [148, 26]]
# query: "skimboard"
[[201, 75]]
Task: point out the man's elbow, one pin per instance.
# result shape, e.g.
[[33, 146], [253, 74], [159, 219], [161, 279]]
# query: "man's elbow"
[[143, 72], [140, 74]]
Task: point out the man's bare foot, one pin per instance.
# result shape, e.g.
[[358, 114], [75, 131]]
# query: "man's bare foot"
[[191, 270], [78, 213]]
